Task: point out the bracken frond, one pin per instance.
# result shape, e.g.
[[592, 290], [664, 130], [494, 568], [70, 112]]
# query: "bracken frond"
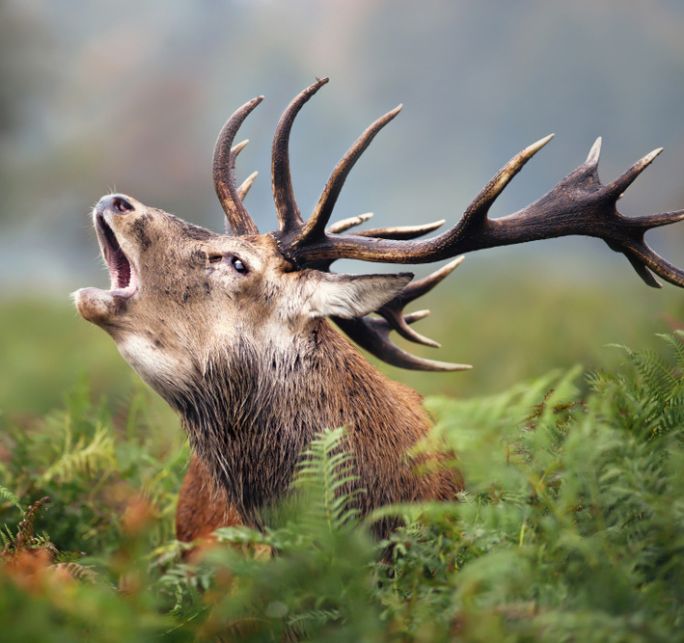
[[84, 458]]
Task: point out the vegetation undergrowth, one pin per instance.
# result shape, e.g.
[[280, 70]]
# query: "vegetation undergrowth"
[[571, 528]]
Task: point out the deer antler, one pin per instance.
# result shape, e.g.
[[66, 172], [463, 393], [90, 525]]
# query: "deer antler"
[[372, 333], [578, 204], [237, 218], [396, 232], [283, 193]]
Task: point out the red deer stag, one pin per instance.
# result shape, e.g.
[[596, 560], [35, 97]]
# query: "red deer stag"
[[232, 329]]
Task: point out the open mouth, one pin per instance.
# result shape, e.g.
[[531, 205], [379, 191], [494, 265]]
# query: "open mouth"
[[123, 278]]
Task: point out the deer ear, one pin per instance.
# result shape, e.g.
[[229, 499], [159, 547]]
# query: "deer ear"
[[349, 296]]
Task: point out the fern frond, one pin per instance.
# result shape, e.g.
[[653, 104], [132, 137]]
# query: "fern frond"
[[676, 343], [7, 537], [7, 496], [314, 617], [86, 459], [77, 571], [327, 478]]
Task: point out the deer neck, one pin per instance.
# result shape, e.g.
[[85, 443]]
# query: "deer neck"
[[253, 413]]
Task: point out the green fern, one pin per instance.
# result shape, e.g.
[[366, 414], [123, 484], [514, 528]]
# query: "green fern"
[[83, 458], [7, 537], [328, 483], [8, 496], [571, 527], [84, 573]]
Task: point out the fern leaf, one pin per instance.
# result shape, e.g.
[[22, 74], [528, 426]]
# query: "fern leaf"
[[7, 496], [84, 459], [326, 477]]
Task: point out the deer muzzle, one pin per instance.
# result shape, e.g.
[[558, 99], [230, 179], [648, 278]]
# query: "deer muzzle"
[[99, 305]]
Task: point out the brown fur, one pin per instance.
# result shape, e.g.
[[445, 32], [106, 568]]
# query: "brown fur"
[[202, 505], [282, 407]]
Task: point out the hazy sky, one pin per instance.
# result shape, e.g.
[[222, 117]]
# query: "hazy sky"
[[130, 96]]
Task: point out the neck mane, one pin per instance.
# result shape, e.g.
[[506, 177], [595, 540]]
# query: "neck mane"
[[254, 411]]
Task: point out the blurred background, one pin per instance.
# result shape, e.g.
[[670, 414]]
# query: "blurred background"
[[130, 96]]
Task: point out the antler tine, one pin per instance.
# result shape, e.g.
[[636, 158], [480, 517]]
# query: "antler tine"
[[594, 153], [393, 311], [619, 185], [402, 232], [246, 185], [656, 220], [237, 148], [373, 335], [478, 209], [412, 318], [396, 232], [641, 256], [351, 222], [237, 217], [315, 226], [287, 210]]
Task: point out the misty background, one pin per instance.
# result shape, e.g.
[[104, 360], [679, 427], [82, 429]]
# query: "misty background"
[[130, 96]]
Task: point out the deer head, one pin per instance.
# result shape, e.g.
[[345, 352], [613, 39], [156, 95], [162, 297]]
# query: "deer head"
[[188, 307], [181, 295]]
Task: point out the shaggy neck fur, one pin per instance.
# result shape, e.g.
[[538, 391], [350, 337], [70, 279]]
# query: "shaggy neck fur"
[[254, 412]]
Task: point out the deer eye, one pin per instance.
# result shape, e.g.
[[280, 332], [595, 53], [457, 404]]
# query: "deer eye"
[[239, 266]]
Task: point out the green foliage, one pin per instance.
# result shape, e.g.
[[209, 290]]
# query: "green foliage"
[[91, 465], [326, 485], [319, 583], [8, 497], [570, 527]]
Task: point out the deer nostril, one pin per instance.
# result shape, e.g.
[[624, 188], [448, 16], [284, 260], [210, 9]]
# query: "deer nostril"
[[115, 203], [119, 204]]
